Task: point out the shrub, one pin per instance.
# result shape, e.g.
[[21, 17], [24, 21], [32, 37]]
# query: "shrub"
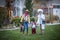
[[47, 19], [32, 19], [56, 17], [16, 21]]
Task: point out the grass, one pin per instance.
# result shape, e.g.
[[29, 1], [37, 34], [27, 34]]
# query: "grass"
[[51, 33]]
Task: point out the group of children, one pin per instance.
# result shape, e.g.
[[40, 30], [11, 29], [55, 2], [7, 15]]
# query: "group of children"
[[40, 21], [24, 26]]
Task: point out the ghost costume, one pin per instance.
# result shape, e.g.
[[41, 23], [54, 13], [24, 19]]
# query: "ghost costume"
[[41, 18]]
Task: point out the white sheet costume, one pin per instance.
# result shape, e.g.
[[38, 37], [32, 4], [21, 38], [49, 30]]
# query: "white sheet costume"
[[41, 18]]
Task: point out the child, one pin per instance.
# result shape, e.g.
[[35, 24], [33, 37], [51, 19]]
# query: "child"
[[41, 20], [33, 27], [25, 23], [21, 24]]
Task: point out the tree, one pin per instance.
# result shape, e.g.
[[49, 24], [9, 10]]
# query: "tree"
[[29, 6]]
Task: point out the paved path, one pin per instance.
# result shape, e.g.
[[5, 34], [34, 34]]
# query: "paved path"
[[18, 27], [53, 24], [9, 29]]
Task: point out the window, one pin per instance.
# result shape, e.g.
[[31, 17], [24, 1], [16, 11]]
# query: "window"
[[14, 12], [56, 6], [18, 11]]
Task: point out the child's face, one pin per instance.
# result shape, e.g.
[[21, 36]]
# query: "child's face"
[[40, 12]]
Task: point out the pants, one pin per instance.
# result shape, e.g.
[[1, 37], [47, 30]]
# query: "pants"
[[21, 29], [43, 26], [25, 27], [33, 30]]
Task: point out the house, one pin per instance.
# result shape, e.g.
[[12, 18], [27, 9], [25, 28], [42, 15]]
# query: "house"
[[15, 7], [5, 10], [18, 7], [50, 7]]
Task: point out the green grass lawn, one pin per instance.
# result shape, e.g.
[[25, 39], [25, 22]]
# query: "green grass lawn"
[[51, 33]]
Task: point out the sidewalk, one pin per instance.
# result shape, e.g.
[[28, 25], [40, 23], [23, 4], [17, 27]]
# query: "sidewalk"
[[52, 23], [29, 25], [10, 29]]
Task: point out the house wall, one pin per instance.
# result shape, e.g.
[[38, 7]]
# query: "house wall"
[[2, 3], [18, 7], [56, 11]]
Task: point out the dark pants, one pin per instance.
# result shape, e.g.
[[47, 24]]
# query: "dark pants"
[[21, 29], [33, 30]]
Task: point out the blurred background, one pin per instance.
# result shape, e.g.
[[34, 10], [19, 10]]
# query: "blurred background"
[[10, 9]]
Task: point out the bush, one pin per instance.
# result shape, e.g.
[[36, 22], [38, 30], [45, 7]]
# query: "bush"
[[16, 21], [47, 19], [32, 19], [55, 17]]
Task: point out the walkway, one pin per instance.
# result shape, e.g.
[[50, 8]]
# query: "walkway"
[[18, 27], [10, 29], [53, 24]]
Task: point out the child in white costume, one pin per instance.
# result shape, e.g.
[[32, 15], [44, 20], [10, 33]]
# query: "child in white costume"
[[41, 20]]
